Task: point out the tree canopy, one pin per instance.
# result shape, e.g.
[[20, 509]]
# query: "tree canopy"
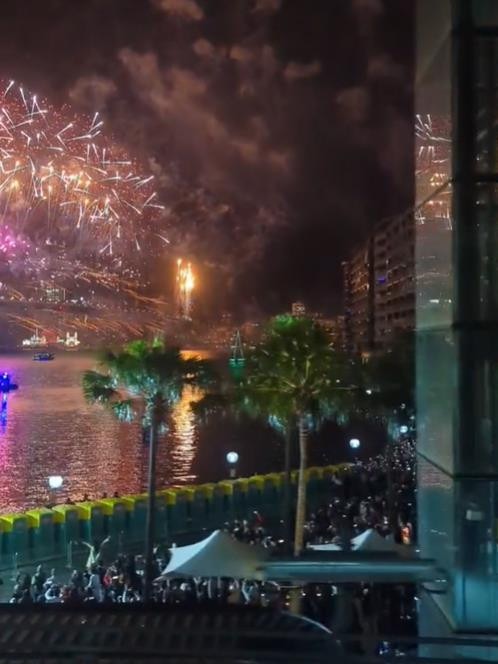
[[294, 372], [141, 377]]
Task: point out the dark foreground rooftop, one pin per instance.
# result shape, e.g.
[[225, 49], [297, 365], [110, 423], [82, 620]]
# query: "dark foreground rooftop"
[[132, 634], [135, 634]]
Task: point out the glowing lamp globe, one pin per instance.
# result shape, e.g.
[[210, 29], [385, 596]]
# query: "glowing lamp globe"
[[232, 457], [403, 428], [55, 481], [354, 443]]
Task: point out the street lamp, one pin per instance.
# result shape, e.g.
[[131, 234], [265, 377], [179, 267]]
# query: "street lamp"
[[55, 482], [354, 443], [232, 459]]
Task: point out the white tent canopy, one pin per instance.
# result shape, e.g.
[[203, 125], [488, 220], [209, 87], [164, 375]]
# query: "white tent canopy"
[[370, 540], [325, 547], [217, 555]]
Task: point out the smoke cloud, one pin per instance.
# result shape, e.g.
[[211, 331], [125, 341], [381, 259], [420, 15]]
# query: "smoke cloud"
[[297, 70], [187, 10], [276, 131]]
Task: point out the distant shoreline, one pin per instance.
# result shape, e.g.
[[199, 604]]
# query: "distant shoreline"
[[50, 349], [9, 350]]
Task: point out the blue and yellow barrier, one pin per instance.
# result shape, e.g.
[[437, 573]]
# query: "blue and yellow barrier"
[[182, 521], [44, 533], [92, 522], [15, 536], [221, 503], [41, 523], [66, 526], [116, 513], [138, 516], [240, 498]]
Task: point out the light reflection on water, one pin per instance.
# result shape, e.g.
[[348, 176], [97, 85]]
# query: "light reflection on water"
[[183, 436], [51, 430]]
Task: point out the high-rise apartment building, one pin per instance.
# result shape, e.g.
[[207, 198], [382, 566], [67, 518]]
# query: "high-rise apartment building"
[[394, 294], [358, 273], [336, 328], [457, 315], [379, 297]]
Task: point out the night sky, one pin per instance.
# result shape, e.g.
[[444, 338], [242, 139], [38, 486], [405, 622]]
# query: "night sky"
[[279, 130]]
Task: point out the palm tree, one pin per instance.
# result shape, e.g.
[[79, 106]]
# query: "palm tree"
[[236, 399], [144, 380], [295, 373]]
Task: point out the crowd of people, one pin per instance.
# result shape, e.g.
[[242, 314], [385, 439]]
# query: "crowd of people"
[[86, 497], [122, 581], [378, 493], [119, 582]]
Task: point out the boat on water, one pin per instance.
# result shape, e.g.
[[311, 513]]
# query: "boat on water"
[[43, 357], [6, 384], [35, 341], [69, 342]]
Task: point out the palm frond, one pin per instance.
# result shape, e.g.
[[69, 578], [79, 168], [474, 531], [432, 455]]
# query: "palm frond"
[[144, 378], [212, 404], [98, 388], [124, 410]]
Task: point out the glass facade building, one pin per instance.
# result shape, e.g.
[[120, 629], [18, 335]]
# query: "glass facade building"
[[457, 305]]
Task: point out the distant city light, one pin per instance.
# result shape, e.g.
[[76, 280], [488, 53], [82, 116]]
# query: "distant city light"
[[368, 391], [354, 443], [403, 428], [232, 457]]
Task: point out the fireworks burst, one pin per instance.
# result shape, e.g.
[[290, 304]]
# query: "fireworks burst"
[[433, 143], [185, 282], [63, 182], [12, 247], [433, 161]]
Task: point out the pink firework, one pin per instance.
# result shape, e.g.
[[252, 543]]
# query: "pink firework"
[[62, 180]]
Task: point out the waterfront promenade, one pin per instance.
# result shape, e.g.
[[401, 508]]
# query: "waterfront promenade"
[[55, 536]]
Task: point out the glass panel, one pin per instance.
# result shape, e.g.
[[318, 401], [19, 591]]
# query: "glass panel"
[[487, 103], [457, 361], [436, 387], [486, 228], [457, 527], [485, 12], [433, 260], [475, 575], [477, 405], [433, 166], [433, 97], [436, 525]]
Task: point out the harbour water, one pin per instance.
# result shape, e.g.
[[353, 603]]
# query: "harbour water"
[[49, 429]]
